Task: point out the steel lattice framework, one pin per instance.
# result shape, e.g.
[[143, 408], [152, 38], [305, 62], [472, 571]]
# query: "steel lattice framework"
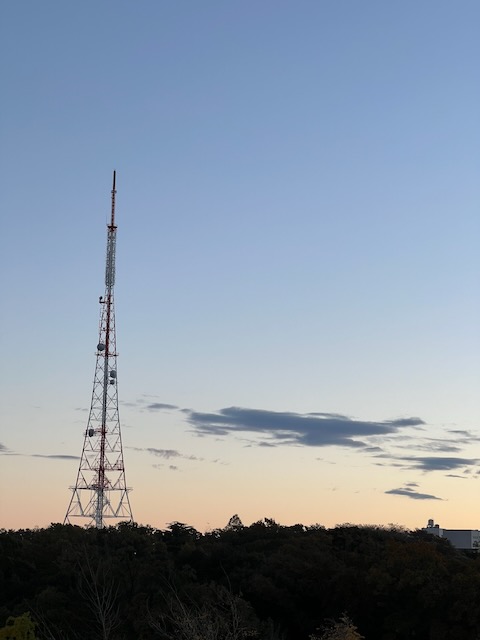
[[101, 491]]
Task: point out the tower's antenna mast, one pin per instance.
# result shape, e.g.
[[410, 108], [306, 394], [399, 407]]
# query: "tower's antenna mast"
[[100, 490]]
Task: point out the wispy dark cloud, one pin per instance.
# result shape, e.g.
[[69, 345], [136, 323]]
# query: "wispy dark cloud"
[[170, 467], [438, 446], [311, 429], [55, 456], [160, 406], [169, 454], [164, 453], [452, 442], [146, 402], [408, 492], [435, 463], [408, 422], [464, 437]]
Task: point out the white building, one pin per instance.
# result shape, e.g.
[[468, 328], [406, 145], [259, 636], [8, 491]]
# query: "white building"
[[459, 538]]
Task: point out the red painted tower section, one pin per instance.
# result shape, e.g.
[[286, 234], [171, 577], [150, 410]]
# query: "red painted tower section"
[[101, 492]]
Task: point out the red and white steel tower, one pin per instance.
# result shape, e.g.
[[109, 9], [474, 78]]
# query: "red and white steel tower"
[[100, 491]]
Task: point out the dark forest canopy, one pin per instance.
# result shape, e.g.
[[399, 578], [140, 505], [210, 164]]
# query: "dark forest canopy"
[[264, 581]]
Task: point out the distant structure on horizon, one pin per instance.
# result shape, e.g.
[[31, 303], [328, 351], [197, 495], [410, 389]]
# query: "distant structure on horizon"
[[459, 538], [100, 491]]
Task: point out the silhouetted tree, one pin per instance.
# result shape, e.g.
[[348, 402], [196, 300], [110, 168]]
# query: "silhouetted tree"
[[19, 628], [343, 629]]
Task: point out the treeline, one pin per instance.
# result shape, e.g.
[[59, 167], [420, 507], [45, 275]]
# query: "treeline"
[[265, 581]]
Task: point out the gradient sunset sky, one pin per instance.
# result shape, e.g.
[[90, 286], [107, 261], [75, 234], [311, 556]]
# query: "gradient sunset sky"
[[297, 293]]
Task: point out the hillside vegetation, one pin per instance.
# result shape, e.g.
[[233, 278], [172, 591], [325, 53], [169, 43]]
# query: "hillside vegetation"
[[265, 581]]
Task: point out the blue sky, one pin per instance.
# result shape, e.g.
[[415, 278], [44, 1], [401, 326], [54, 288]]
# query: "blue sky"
[[297, 273]]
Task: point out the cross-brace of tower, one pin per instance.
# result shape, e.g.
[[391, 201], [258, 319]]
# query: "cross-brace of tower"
[[100, 491]]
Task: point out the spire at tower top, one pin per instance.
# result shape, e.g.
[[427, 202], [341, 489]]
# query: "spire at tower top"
[[114, 191]]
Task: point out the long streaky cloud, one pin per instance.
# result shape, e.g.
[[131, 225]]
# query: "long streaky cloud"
[[55, 456], [167, 454], [160, 406], [310, 429], [164, 453], [440, 463], [410, 493]]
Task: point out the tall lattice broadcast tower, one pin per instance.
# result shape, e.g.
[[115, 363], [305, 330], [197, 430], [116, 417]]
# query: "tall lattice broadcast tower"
[[101, 491]]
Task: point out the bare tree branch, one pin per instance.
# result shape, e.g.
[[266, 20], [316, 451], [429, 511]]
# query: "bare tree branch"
[[100, 593]]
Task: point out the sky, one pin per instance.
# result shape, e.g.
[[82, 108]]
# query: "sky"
[[297, 290]]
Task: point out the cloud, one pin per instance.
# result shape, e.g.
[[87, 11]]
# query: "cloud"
[[408, 492], [160, 406], [408, 422], [437, 445], [271, 429], [463, 436], [440, 463], [55, 456], [428, 463], [164, 453], [171, 467], [311, 429], [441, 446], [168, 454], [52, 456]]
